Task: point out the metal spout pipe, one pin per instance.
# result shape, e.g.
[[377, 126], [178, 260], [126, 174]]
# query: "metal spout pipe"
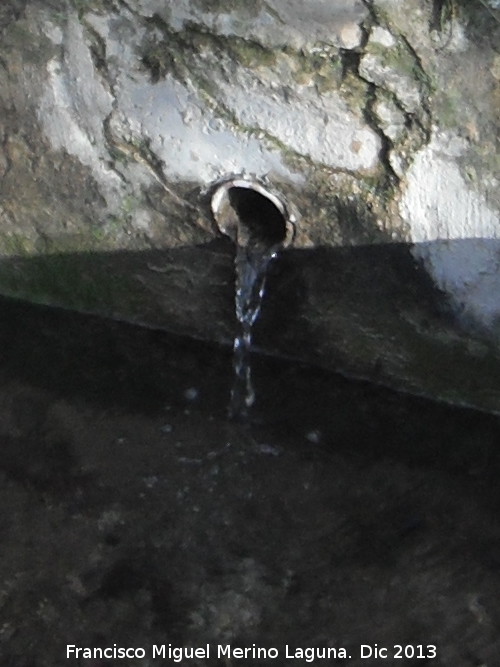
[[251, 214]]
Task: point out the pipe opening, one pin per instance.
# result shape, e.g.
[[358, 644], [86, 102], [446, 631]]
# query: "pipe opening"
[[250, 214], [263, 221]]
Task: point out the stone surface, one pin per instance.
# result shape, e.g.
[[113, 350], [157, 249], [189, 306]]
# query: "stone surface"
[[377, 121], [362, 510]]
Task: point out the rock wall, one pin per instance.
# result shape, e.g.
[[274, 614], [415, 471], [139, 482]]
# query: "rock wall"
[[377, 121]]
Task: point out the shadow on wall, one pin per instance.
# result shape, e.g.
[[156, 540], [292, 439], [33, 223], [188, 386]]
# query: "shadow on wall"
[[50, 355], [367, 311]]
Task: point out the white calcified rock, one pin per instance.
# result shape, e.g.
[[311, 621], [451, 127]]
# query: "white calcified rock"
[[374, 68], [382, 36], [185, 136], [319, 127], [74, 104], [273, 23], [194, 143], [468, 270], [437, 203], [391, 119], [456, 233]]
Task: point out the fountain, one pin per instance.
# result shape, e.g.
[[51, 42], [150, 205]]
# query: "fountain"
[[260, 224]]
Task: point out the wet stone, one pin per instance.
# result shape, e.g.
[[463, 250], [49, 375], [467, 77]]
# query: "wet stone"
[[252, 537]]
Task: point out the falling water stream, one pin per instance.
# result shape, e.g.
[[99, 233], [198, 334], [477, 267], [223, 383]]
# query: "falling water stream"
[[256, 220], [251, 264]]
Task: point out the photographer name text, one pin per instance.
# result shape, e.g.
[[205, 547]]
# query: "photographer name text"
[[178, 654]]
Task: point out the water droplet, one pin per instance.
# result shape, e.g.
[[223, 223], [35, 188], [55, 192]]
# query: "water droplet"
[[191, 394], [314, 436], [270, 450]]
